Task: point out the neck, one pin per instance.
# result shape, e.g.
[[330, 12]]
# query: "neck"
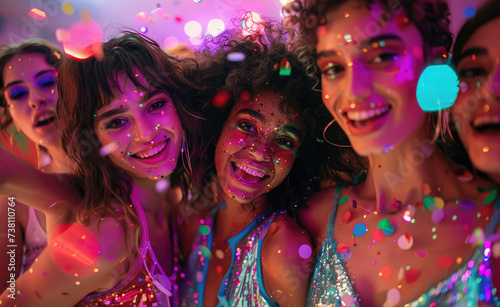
[[145, 190], [58, 159], [401, 173], [233, 216]]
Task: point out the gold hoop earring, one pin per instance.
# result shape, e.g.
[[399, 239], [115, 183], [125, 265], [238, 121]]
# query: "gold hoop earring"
[[331, 143], [186, 159]]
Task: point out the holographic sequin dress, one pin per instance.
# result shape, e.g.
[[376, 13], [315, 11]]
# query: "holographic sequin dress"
[[243, 285], [331, 286], [146, 286]]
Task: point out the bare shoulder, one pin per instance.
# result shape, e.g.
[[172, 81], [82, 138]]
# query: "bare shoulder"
[[287, 262], [314, 216]]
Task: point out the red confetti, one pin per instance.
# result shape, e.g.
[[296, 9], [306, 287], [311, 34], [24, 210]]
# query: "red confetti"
[[341, 247], [245, 96], [411, 275], [38, 295], [378, 235], [351, 242], [444, 262], [385, 272], [408, 237], [346, 217], [221, 98], [487, 211]]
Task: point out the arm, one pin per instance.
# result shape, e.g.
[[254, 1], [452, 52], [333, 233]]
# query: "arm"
[[81, 260], [11, 242], [31, 186], [287, 262]]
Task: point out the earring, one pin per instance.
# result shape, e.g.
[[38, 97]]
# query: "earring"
[[331, 143], [186, 159]]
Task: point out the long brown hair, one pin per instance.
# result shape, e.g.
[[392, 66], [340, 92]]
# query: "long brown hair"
[[86, 86]]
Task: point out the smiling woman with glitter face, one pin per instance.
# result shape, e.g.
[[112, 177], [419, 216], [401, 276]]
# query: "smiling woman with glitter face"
[[124, 120], [245, 251], [409, 233]]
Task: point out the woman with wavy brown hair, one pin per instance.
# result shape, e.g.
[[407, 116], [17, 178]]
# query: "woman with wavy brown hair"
[[124, 120]]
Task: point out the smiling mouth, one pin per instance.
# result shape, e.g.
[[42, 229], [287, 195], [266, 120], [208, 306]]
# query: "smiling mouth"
[[152, 152], [247, 174], [364, 117], [487, 124], [44, 121]]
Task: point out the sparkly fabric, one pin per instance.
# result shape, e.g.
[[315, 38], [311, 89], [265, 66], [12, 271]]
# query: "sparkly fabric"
[[331, 286], [146, 286], [243, 284], [35, 240]]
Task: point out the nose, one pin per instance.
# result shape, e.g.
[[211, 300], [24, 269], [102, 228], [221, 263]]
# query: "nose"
[[359, 82], [37, 99], [261, 149], [144, 129]]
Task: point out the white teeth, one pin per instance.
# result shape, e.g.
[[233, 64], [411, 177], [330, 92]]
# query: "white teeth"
[[44, 117], [250, 171], [152, 151], [485, 120], [366, 114]]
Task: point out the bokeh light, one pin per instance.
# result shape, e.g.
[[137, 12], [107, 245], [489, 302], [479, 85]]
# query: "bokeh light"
[[192, 28], [141, 17], [437, 88], [83, 40], [67, 8], [251, 23], [171, 42], [215, 27], [196, 40], [37, 14]]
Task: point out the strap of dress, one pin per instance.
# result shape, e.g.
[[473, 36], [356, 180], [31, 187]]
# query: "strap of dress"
[[156, 272], [331, 218]]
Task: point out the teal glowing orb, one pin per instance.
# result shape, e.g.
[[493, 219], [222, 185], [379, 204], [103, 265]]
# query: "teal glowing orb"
[[437, 88]]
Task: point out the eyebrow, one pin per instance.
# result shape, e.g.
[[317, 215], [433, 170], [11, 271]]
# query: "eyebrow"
[[38, 74], [111, 113], [472, 51], [122, 109], [293, 129], [365, 43], [252, 113]]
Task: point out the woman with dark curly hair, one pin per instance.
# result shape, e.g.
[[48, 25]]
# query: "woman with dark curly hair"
[[124, 120], [408, 233], [246, 251], [28, 99]]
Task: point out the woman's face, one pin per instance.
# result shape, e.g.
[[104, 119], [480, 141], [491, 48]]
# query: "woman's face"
[[140, 131], [257, 146], [31, 94], [477, 109], [370, 62]]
